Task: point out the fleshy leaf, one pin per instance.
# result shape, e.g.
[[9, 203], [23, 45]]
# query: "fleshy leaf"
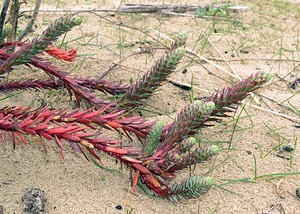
[[193, 187]]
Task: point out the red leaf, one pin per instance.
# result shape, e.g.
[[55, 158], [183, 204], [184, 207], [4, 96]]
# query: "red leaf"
[[57, 53], [30, 131], [70, 137], [22, 138], [46, 135]]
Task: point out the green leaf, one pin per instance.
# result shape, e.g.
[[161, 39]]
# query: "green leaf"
[[193, 187], [153, 138]]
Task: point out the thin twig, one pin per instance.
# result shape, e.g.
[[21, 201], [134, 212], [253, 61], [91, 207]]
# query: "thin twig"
[[115, 64], [197, 16], [146, 8], [231, 68], [121, 24], [294, 69], [2, 17], [32, 20], [198, 55], [127, 9], [225, 60], [272, 112], [72, 10], [280, 104], [14, 17], [254, 59]]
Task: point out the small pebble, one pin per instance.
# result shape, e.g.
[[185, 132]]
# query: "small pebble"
[[119, 207], [184, 70], [8, 182], [287, 148], [295, 84], [298, 192], [244, 51]]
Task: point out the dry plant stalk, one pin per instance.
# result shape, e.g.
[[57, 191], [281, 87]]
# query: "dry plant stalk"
[[164, 149]]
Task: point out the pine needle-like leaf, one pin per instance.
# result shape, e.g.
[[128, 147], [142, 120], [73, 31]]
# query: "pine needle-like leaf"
[[175, 161], [188, 120], [38, 44], [228, 99], [100, 85], [58, 126], [152, 79], [193, 187], [180, 40], [153, 138], [186, 124], [186, 145]]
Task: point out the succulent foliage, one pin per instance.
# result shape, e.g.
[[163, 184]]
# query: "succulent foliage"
[[164, 149]]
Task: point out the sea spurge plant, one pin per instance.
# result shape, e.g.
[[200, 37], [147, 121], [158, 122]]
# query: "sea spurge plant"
[[176, 161], [186, 145], [193, 187], [163, 150], [187, 122], [38, 44], [99, 85], [228, 99], [151, 80], [180, 40], [153, 138]]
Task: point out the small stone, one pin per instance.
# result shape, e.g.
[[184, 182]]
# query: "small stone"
[[7, 182], [287, 148], [244, 51], [119, 207], [184, 71], [294, 85], [34, 201], [298, 192]]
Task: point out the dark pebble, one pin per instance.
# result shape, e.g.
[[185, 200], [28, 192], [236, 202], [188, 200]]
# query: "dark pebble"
[[298, 192], [119, 207], [287, 148], [244, 51], [184, 71], [8, 182], [295, 84]]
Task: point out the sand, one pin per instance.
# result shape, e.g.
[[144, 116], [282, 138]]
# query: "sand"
[[78, 186]]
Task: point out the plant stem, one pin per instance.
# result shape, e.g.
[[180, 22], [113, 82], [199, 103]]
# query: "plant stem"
[[32, 20], [2, 17]]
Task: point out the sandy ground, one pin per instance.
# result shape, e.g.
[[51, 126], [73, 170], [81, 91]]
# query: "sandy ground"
[[78, 186]]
